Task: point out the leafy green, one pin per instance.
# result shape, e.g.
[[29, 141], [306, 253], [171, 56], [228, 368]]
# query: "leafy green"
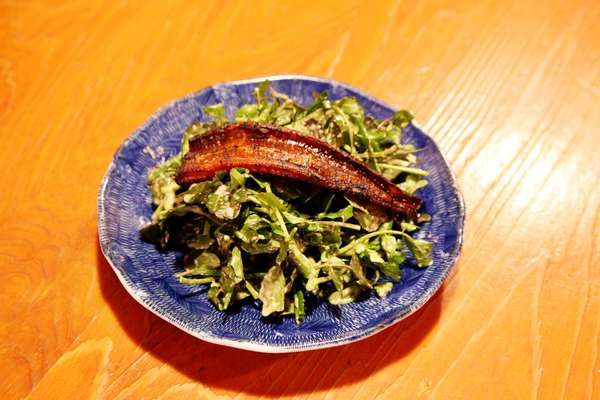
[[272, 291], [383, 289], [412, 183], [224, 203], [421, 250], [299, 306], [257, 238], [346, 295], [217, 111], [205, 263]]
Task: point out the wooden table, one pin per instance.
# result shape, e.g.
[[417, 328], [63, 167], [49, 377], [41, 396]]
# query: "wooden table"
[[509, 90]]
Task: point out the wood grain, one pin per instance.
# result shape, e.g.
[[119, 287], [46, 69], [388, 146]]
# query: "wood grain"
[[511, 92]]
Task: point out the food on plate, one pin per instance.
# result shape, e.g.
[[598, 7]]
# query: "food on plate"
[[286, 202], [282, 152]]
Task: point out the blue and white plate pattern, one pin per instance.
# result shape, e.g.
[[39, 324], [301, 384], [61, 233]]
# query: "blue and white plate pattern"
[[147, 274]]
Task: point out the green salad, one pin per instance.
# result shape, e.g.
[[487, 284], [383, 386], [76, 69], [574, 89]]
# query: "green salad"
[[248, 236]]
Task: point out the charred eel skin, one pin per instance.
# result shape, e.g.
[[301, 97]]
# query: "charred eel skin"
[[286, 153]]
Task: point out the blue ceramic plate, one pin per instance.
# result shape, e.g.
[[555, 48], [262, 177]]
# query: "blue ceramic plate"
[[147, 274]]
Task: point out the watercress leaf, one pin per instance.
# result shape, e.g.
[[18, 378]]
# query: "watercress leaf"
[[383, 289], [358, 270], [391, 269], [412, 183], [360, 248], [293, 218], [192, 232], [344, 214], [272, 291], [408, 226], [247, 112], [374, 256], [402, 118], [223, 204], [307, 265], [205, 263], [260, 93], [241, 294], [370, 217], [269, 247], [249, 232], [345, 296], [219, 297], [237, 177], [217, 111], [351, 107], [202, 239], [235, 261], [423, 218], [269, 200], [369, 222], [163, 189], [421, 250], [198, 193], [389, 244]]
